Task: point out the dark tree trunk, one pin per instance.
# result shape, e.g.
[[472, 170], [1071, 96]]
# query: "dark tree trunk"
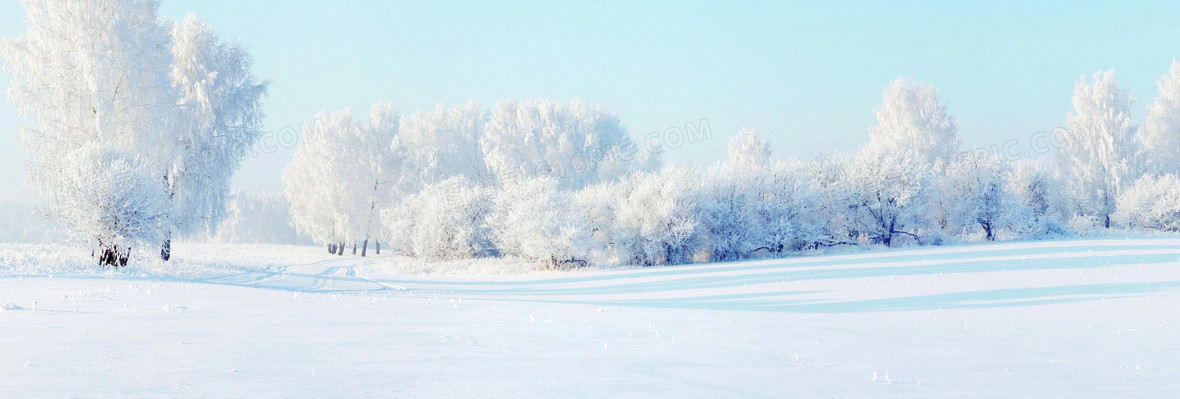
[[332, 249], [365, 248], [113, 256], [378, 246], [166, 250], [340, 250], [354, 247]]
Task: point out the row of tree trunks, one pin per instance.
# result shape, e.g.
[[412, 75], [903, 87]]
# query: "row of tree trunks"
[[338, 249]]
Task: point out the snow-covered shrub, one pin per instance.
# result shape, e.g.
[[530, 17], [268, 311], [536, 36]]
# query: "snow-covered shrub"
[[889, 193], [975, 192], [731, 211], [599, 206], [1038, 193], [447, 220], [658, 221], [831, 176], [111, 199], [751, 204], [533, 219], [1152, 202], [792, 208]]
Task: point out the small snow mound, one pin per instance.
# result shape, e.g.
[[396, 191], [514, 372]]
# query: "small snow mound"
[[171, 308], [10, 306]]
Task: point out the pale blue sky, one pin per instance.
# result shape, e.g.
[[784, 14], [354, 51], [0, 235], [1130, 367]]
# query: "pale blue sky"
[[805, 75]]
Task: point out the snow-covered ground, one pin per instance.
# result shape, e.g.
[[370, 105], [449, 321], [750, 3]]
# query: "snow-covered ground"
[[1077, 318]]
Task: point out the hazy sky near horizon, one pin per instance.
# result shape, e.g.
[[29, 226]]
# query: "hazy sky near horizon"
[[805, 75]]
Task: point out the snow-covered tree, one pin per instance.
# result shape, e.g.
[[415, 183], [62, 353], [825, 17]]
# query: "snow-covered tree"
[[1099, 146], [442, 143], [1151, 202], [1159, 139], [658, 221], [747, 150], [341, 178], [533, 219], [910, 117], [752, 203], [258, 218], [831, 175], [975, 187], [111, 199], [1038, 192], [111, 74], [792, 208], [888, 194], [534, 138], [220, 118], [447, 220], [730, 205]]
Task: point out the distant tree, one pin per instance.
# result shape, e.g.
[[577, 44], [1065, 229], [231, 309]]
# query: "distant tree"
[[442, 143], [1159, 140], [111, 74], [747, 150], [533, 138], [1099, 145], [910, 117], [258, 218], [341, 178]]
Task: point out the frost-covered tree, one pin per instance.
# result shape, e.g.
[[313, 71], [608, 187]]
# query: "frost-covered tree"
[[792, 208], [571, 142], [1038, 192], [657, 221], [258, 218], [975, 187], [220, 118], [447, 220], [910, 117], [1151, 202], [341, 178], [751, 203], [888, 193], [534, 220], [108, 73], [111, 199], [1159, 139], [730, 205], [442, 143], [747, 150], [831, 175], [1099, 146]]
